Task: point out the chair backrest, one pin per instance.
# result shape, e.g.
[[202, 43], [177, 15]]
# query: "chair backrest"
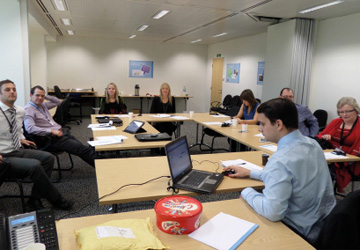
[[58, 93], [341, 228], [227, 100], [321, 115], [235, 101], [62, 112]]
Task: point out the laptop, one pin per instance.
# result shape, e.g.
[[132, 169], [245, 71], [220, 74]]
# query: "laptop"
[[135, 127], [106, 120], [153, 137], [182, 173]]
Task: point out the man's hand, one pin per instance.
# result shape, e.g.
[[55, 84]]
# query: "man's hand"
[[240, 172], [57, 133], [28, 143], [1, 159]]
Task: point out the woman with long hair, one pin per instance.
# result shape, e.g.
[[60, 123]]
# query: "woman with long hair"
[[112, 103], [248, 108]]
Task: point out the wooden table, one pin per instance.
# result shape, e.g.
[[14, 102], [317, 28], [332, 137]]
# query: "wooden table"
[[114, 173], [269, 235], [131, 142]]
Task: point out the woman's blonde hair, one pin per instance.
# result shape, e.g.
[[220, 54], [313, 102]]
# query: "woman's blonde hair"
[[107, 97], [349, 101], [165, 84]]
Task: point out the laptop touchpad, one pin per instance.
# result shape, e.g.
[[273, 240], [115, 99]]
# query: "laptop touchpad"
[[210, 181]]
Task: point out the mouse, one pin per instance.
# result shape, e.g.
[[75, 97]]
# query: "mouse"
[[228, 172], [154, 135]]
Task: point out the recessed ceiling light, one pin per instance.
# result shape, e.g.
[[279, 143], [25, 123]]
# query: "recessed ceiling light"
[[221, 34], [132, 36], [320, 7], [161, 14], [71, 32], [143, 27], [66, 21], [59, 5], [196, 41]]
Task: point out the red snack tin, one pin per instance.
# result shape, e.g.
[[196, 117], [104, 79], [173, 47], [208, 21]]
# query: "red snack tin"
[[178, 214]]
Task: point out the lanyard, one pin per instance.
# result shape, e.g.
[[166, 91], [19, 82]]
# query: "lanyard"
[[41, 111], [342, 139], [7, 119]]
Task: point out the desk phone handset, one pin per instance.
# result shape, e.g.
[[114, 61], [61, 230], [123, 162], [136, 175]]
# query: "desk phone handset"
[[25, 229]]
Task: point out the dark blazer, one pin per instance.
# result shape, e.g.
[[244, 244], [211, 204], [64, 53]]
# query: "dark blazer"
[[158, 107]]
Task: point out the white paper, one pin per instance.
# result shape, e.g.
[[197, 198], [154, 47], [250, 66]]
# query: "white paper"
[[223, 231], [270, 147], [213, 123], [107, 140], [121, 115], [241, 163], [220, 116], [103, 128], [259, 135], [177, 117], [111, 231], [329, 156], [161, 115]]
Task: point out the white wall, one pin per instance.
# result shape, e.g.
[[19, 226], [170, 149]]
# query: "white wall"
[[247, 51], [336, 63], [279, 49], [86, 63], [38, 60], [14, 50]]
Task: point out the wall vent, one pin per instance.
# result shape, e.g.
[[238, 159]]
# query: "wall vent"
[[44, 9]]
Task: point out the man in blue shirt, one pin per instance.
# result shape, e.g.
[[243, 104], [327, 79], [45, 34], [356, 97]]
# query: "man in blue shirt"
[[308, 124], [298, 188]]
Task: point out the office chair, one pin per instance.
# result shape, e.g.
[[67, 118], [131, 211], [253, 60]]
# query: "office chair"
[[321, 115], [217, 106], [21, 195], [75, 102], [341, 228]]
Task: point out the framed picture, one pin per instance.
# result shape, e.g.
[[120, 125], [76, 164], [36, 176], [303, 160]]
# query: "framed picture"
[[141, 69]]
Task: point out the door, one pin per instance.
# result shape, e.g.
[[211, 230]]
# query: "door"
[[216, 79]]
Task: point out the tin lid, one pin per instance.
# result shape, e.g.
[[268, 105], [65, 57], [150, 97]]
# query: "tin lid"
[[178, 206]]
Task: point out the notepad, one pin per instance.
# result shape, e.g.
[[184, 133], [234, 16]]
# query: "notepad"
[[241, 163], [224, 231]]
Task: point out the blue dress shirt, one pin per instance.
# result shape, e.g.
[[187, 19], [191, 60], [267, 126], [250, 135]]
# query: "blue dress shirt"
[[298, 188], [308, 124]]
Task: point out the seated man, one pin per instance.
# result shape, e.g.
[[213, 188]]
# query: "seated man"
[[38, 121], [22, 162], [298, 188], [308, 124]]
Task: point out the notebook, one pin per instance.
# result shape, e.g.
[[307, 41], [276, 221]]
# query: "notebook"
[[153, 137], [182, 173], [135, 127]]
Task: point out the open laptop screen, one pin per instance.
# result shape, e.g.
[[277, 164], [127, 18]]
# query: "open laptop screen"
[[178, 157]]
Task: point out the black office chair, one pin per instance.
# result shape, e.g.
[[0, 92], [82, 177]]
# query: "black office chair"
[[234, 106], [341, 228], [321, 115], [217, 106], [74, 102], [214, 135]]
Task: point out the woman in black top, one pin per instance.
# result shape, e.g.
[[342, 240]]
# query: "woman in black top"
[[112, 103], [162, 104]]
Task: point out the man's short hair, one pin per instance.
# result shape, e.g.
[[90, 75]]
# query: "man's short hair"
[[280, 109], [288, 89], [4, 82], [32, 90]]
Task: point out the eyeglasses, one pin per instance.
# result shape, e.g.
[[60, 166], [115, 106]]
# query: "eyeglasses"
[[345, 112]]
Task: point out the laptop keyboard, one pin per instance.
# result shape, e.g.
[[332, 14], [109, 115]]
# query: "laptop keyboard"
[[195, 178]]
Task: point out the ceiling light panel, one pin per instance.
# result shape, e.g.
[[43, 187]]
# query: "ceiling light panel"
[[143, 27], [161, 14], [59, 4], [320, 7], [66, 21]]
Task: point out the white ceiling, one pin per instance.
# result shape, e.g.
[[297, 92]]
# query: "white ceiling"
[[189, 19]]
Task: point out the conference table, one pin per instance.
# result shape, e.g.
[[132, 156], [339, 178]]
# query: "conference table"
[[111, 174], [269, 235]]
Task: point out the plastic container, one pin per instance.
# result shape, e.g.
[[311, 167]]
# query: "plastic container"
[[178, 214]]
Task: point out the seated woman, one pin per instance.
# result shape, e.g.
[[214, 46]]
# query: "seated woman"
[[248, 108], [112, 103], [344, 133], [162, 104]]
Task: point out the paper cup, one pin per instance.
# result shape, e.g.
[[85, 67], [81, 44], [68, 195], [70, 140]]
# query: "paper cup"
[[131, 114], [234, 122], [191, 113], [244, 127], [35, 246], [265, 158]]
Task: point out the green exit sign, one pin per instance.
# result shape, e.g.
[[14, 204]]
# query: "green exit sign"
[[218, 55]]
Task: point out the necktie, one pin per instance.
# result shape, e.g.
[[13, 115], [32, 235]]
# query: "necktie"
[[14, 131]]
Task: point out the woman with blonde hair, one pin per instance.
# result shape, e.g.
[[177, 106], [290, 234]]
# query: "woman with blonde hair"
[[343, 134], [112, 103], [163, 104]]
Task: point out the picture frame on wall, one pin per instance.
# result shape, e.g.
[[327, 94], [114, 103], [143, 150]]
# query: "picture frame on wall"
[[233, 72], [260, 74], [141, 69]]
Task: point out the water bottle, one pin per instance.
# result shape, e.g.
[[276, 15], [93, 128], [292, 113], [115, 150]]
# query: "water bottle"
[[184, 91]]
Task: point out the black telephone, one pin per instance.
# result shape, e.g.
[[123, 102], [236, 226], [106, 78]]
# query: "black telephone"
[[19, 231]]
